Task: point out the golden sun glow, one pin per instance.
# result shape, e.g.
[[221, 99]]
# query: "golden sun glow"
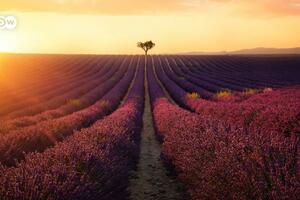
[[109, 27]]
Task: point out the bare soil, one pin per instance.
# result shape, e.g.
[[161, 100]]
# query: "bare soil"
[[151, 180]]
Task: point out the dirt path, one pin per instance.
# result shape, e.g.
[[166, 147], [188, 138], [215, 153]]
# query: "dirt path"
[[150, 180]]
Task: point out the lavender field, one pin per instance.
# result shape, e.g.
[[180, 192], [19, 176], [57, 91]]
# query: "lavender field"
[[149, 127]]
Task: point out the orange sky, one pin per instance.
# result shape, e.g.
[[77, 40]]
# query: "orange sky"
[[114, 26]]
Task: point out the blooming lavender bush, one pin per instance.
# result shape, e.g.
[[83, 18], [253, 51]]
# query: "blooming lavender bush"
[[98, 88], [93, 163], [47, 133], [235, 151]]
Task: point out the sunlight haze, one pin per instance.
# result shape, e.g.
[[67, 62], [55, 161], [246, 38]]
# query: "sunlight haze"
[[177, 26]]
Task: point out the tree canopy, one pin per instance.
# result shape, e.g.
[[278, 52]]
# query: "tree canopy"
[[146, 46]]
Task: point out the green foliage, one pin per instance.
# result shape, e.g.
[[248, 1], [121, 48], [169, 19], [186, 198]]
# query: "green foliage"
[[146, 46]]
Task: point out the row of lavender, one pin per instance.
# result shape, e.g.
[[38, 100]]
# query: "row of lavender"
[[196, 144], [179, 80], [202, 74], [91, 164], [36, 68], [241, 149], [226, 70], [48, 85], [52, 97], [42, 73], [85, 95], [217, 75], [265, 70], [207, 76], [16, 143]]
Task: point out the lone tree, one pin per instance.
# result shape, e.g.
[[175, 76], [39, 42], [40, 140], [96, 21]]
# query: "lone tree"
[[146, 46]]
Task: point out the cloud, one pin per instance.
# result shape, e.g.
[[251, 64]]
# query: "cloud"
[[264, 7], [279, 7], [131, 7], [251, 8], [118, 7]]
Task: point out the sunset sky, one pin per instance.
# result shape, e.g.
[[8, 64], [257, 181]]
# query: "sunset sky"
[[114, 26]]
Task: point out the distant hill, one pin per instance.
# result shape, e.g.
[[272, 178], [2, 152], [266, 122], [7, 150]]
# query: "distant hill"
[[260, 50]]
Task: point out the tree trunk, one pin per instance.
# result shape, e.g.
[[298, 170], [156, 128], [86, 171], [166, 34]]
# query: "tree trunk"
[[146, 53]]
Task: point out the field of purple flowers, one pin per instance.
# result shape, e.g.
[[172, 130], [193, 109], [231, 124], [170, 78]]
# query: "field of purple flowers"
[[70, 126]]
